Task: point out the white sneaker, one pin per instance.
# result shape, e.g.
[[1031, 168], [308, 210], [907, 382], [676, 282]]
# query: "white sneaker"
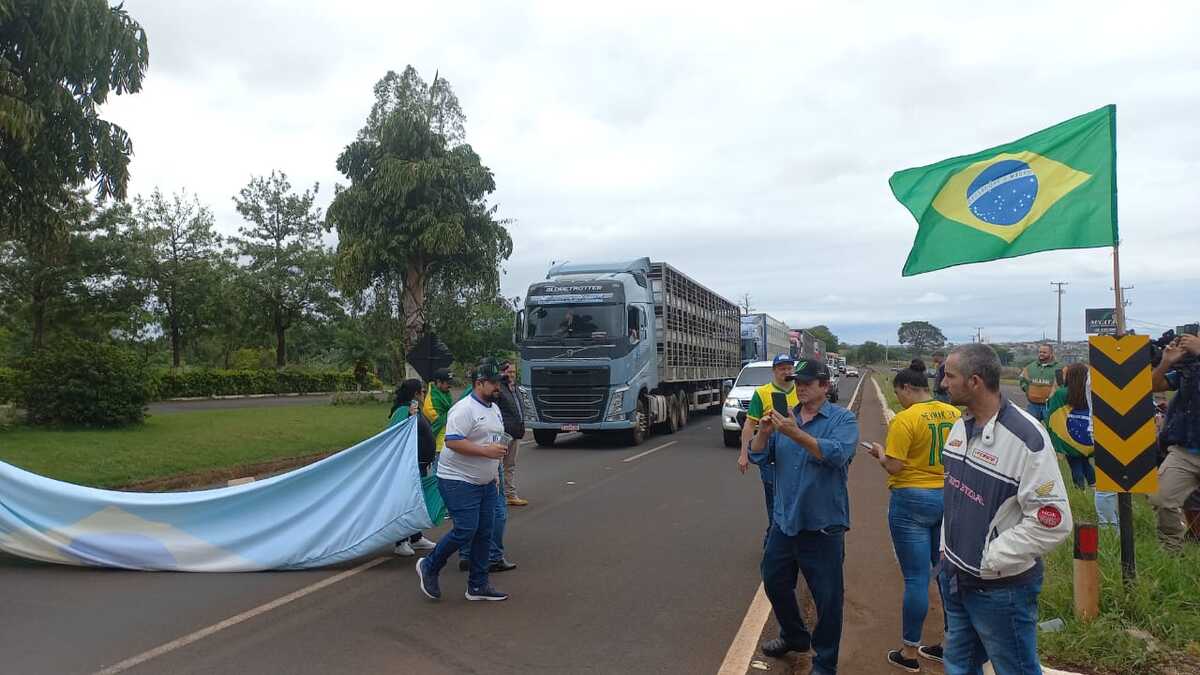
[[405, 549], [424, 544]]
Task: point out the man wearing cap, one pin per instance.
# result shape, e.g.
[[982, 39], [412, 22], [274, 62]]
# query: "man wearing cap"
[[811, 446], [467, 474], [760, 405], [437, 405]]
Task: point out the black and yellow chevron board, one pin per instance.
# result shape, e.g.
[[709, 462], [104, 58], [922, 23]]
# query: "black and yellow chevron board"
[[1123, 429]]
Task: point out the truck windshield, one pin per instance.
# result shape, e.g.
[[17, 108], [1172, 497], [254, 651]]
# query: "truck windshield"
[[588, 321], [754, 377]]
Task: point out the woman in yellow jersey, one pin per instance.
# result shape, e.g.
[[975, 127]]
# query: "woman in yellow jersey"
[[913, 460]]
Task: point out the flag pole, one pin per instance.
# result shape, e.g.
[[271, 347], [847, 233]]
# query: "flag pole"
[[1124, 499]]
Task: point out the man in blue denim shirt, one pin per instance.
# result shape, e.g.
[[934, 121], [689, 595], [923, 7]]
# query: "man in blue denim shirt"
[[811, 448]]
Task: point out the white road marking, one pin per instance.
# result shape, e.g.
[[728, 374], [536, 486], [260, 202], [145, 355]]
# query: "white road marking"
[[643, 454], [235, 620], [745, 643], [854, 396]]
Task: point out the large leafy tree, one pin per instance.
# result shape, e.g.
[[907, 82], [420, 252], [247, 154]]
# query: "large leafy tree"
[[416, 208], [823, 333], [59, 61], [177, 249], [289, 269], [921, 336]]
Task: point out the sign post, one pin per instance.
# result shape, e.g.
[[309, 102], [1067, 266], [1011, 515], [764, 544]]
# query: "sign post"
[[1100, 321]]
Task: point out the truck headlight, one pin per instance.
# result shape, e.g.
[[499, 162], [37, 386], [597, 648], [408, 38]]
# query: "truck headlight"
[[616, 405], [527, 403], [732, 402]]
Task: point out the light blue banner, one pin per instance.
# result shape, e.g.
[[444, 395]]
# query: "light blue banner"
[[338, 509]]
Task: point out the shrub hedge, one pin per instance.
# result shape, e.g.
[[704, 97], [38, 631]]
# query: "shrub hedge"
[[8, 385], [79, 383], [203, 382]]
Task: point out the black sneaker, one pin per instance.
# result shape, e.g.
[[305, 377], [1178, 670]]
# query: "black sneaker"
[[486, 593], [778, 647], [428, 582], [897, 659], [931, 652], [502, 565]]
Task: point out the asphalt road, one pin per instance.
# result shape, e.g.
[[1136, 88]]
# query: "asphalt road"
[[627, 564]]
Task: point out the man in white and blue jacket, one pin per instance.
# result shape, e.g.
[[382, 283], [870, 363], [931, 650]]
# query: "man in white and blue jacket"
[[811, 447], [1005, 507]]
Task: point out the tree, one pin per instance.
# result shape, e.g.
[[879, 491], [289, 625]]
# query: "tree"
[[1004, 353], [746, 303], [177, 248], [869, 352], [473, 326], [921, 336], [59, 61], [416, 209], [825, 335], [289, 269]]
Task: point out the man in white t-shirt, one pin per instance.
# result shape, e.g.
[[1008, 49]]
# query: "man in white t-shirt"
[[467, 471]]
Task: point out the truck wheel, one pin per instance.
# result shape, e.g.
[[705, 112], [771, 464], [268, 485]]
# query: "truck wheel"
[[733, 439], [641, 425], [545, 437], [833, 395], [683, 409], [672, 423]]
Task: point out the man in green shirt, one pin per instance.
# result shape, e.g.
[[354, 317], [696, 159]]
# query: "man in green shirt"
[[760, 405], [1039, 380]]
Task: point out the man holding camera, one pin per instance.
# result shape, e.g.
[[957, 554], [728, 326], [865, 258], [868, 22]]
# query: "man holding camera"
[[1179, 474], [810, 447]]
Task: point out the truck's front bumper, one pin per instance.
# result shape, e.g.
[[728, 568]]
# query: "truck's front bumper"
[[591, 426]]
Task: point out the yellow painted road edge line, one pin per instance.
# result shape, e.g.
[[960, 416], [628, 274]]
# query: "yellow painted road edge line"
[[745, 643]]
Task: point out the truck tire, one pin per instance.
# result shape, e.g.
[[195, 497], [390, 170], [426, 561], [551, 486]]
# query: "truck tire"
[[733, 439], [671, 425], [641, 425], [545, 437], [683, 409]]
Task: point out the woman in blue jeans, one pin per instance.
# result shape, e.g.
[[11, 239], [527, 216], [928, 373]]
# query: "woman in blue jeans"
[[913, 461]]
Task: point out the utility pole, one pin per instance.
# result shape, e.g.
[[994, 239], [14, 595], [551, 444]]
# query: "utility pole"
[[1121, 295], [1060, 293], [979, 333]]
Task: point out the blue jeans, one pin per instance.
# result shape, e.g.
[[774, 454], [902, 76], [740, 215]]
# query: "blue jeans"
[[820, 557], [499, 523], [1083, 473], [997, 623], [1038, 410], [769, 494], [915, 521], [1106, 508], [473, 508]]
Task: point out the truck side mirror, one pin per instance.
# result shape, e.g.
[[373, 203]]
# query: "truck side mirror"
[[519, 327]]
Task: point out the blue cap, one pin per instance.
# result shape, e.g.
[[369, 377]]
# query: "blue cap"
[[782, 358]]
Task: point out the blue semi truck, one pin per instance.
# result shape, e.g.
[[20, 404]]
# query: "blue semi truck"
[[623, 347]]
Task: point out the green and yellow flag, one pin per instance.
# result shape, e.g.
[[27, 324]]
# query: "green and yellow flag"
[[1054, 189]]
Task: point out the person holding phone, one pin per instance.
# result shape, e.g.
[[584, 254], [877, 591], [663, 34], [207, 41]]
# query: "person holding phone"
[[467, 475], [913, 462], [812, 445], [779, 393]]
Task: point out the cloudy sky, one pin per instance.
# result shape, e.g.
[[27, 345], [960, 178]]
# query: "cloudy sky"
[[749, 148]]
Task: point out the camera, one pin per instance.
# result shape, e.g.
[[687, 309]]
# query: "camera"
[[1165, 340]]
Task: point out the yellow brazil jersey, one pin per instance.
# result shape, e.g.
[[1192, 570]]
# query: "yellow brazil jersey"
[[916, 437], [760, 403]]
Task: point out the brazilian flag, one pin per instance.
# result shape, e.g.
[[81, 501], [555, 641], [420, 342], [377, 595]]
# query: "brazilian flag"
[[1053, 189], [1070, 429]]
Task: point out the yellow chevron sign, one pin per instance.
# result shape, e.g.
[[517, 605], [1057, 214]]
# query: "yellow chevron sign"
[[1123, 433]]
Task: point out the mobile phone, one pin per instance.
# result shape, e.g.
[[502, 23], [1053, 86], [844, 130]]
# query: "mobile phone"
[[779, 402], [865, 444], [1188, 329]]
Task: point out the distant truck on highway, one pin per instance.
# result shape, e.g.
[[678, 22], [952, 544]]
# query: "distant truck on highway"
[[763, 336], [805, 346], [622, 347]]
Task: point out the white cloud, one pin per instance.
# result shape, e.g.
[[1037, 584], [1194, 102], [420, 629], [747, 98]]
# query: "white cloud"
[[750, 148]]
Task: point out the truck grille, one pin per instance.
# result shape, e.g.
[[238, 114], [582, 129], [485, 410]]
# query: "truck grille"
[[570, 395]]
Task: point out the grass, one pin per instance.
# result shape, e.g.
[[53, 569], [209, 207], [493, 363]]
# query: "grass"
[[185, 442], [1164, 600]]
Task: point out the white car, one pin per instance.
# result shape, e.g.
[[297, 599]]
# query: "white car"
[[733, 411], [852, 372]]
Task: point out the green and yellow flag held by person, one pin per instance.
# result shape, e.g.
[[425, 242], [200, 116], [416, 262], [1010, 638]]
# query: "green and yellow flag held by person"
[[1054, 189]]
